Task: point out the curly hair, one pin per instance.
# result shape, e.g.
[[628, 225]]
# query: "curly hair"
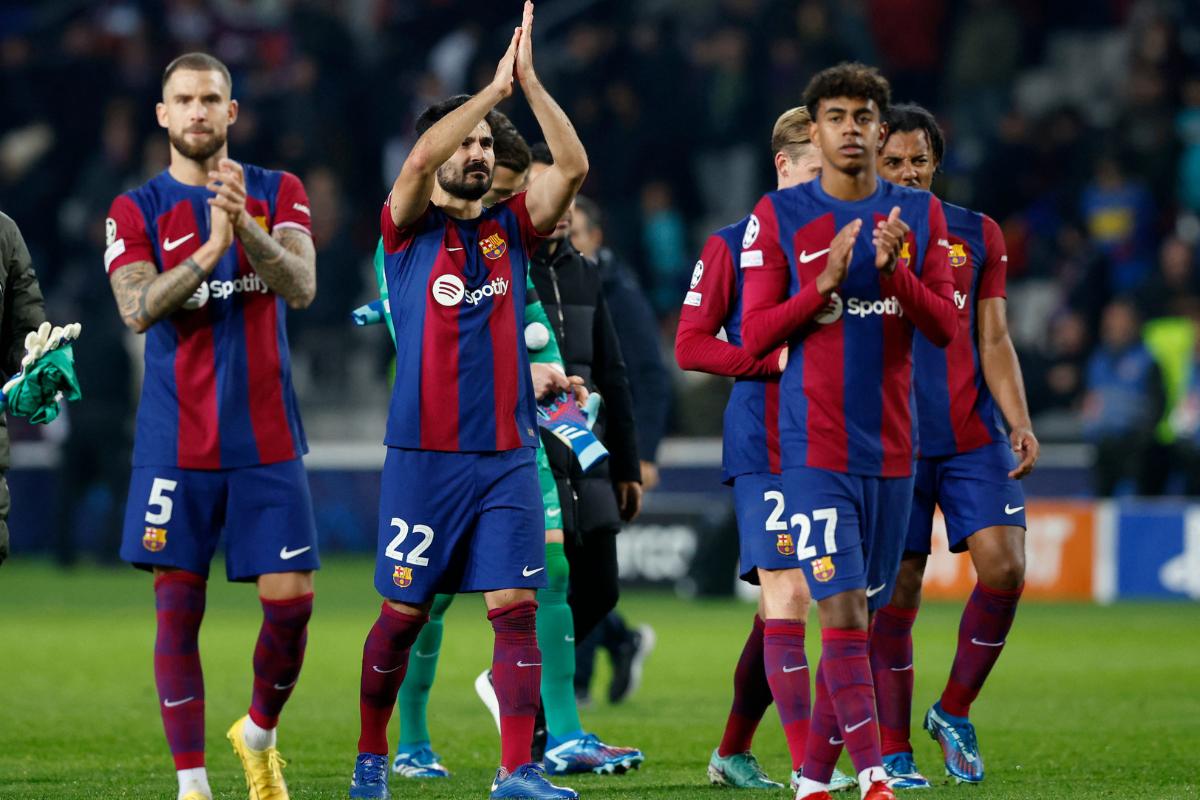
[[848, 79], [908, 117]]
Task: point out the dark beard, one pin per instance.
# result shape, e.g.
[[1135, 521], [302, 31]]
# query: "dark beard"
[[199, 153], [460, 188]]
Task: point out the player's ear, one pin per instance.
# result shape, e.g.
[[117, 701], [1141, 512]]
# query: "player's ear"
[[782, 164], [883, 135], [233, 111], [160, 111]]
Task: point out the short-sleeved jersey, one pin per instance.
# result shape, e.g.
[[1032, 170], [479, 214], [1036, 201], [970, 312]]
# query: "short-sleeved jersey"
[[846, 399], [714, 302], [457, 294], [955, 409], [217, 392]]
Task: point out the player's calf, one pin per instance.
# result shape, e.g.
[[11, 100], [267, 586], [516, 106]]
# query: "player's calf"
[[179, 599]]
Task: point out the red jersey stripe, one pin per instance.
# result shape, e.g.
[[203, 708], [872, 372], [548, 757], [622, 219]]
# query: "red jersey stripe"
[[502, 327], [771, 418], [199, 443], [439, 360]]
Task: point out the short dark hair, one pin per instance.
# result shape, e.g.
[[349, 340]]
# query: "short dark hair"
[[592, 211], [909, 117], [848, 79], [435, 112], [199, 62], [541, 153], [510, 147]]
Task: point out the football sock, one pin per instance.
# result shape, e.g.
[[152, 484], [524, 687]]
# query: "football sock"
[[418, 681], [193, 780], [892, 669], [787, 674], [517, 676], [824, 741], [556, 639], [385, 656], [985, 624], [179, 607], [751, 694], [847, 670], [256, 737], [278, 655]]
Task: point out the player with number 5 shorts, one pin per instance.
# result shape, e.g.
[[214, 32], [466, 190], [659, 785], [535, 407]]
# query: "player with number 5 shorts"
[[460, 508], [204, 260], [848, 267]]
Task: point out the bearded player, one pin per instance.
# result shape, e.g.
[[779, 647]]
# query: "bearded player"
[[750, 453], [460, 509], [845, 268], [967, 468], [205, 259]]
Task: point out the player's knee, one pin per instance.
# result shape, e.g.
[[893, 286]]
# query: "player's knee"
[[907, 593], [1005, 572], [441, 602]]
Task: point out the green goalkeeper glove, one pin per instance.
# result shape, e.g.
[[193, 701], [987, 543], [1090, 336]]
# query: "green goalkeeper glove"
[[47, 374]]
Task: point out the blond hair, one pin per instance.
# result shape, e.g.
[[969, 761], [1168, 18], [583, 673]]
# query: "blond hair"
[[791, 132]]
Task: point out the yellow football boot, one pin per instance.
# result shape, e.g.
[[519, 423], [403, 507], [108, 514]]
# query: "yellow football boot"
[[264, 768]]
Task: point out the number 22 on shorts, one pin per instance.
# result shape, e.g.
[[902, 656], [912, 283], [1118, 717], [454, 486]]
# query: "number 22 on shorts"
[[414, 556]]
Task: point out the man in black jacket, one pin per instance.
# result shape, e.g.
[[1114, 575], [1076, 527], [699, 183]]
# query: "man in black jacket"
[[594, 504], [22, 313]]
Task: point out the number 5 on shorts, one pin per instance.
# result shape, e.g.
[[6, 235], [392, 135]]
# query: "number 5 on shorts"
[[829, 516], [161, 500], [414, 556]]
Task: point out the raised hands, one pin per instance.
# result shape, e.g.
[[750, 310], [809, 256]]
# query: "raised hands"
[[837, 265], [888, 239], [502, 84], [525, 71]]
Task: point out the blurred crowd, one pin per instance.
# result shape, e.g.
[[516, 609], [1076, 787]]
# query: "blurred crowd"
[[1075, 125]]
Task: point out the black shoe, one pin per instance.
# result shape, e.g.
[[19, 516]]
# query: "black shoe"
[[539, 735], [628, 661]]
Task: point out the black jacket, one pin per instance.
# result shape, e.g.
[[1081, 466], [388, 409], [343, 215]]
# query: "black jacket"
[[570, 289], [21, 311], [637, 328]]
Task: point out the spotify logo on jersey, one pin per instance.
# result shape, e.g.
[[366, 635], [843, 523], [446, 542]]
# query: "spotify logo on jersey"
[[448, 290]]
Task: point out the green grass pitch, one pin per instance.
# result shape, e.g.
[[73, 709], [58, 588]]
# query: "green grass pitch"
[[1086, 702]]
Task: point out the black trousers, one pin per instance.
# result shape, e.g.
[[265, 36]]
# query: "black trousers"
[[593, 561]]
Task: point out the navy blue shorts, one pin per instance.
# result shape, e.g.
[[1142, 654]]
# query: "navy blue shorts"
[[459, 522], [974, 492], [849, 530], [764, 538], [175, 517]]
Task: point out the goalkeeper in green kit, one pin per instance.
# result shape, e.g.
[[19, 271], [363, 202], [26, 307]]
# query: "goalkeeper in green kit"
[[571, 748], [37, 359]]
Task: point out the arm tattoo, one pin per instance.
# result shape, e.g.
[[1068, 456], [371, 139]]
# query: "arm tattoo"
[[144, 296], [285, 260]]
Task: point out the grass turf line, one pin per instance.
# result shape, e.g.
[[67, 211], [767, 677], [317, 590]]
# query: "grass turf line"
[[1086, 701]]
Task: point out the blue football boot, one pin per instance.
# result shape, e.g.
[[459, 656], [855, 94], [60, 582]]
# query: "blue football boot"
[[418, 762], [902, 772], [528, 781], [588, 754], [956, 735], [838, 782], [370, 778]]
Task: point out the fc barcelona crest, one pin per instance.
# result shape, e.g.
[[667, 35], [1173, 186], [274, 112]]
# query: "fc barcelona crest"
[[905, 257], [823, 569], [493, 246], [154, 539], [402, 577], [784, 544], [958, 255]]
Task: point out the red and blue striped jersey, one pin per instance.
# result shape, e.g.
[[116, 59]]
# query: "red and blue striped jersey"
[[955, 409], [846, 397], [217, 391], [714, 303], [457, 293]]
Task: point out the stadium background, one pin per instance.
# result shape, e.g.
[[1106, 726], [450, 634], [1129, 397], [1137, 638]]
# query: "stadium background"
[[1075, 125]]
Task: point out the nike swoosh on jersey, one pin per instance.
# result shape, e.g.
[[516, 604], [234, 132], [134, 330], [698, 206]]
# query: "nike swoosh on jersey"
[[168, 245], [1010, 510], [806, 257], [286, 554], [528, 573]]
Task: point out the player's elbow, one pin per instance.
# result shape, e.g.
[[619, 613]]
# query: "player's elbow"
[[137, 323], [683, 350], [943, 331], [303, 298]]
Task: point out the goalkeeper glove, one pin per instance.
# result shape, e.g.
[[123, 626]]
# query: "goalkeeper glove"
[[562, 416], [47, 374]]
